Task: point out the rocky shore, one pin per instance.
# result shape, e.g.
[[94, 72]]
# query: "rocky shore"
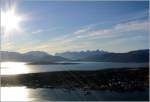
[[123, 79]]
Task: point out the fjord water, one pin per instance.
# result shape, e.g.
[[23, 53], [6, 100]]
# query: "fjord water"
[[9, 68], [61, 94], [22, 93]]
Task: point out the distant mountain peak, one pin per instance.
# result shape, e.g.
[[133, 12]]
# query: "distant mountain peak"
[[81, 54]]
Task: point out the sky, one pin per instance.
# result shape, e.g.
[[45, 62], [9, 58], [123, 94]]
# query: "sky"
[[58, 26]]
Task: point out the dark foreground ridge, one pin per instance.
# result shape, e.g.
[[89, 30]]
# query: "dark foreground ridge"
[[124, 79]]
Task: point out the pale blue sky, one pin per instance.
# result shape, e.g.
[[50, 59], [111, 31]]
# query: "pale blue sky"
[[75, 26]]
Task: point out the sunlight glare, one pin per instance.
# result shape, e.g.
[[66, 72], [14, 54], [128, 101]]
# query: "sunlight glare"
[[14, 94], [10, 20], [10, 68]]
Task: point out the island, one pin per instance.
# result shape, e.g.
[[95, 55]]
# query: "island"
[[51, 63]]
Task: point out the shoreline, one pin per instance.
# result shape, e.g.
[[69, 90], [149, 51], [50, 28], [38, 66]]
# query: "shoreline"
[[124, 79]]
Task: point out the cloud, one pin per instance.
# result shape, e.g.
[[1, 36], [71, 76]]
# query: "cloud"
[[83, 30], [8, 46], [87, 28], [132, 22], [117, 29], [86, 36], [132, 26], [124, 40], [37, 31], [87, 39], [44, 30]]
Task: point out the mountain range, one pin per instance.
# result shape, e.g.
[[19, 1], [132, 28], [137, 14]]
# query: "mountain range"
[[31, 56], [104, 56], [97, 55], [81, 54], [132, 56]]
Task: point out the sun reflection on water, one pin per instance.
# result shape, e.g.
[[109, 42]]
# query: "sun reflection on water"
[[14, 94], [11, 68]]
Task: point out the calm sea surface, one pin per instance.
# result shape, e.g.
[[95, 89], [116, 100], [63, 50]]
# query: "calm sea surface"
[[45, 94], [8, 68]]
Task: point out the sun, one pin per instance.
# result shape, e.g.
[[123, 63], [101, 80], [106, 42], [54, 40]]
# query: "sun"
[[10, 20]]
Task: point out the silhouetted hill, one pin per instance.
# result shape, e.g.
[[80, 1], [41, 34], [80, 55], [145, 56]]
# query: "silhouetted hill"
[[133, 56], [37, 54], [10, 56], [29, 56]]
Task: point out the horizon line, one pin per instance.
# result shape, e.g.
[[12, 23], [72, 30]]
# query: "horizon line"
[[74, 51]]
